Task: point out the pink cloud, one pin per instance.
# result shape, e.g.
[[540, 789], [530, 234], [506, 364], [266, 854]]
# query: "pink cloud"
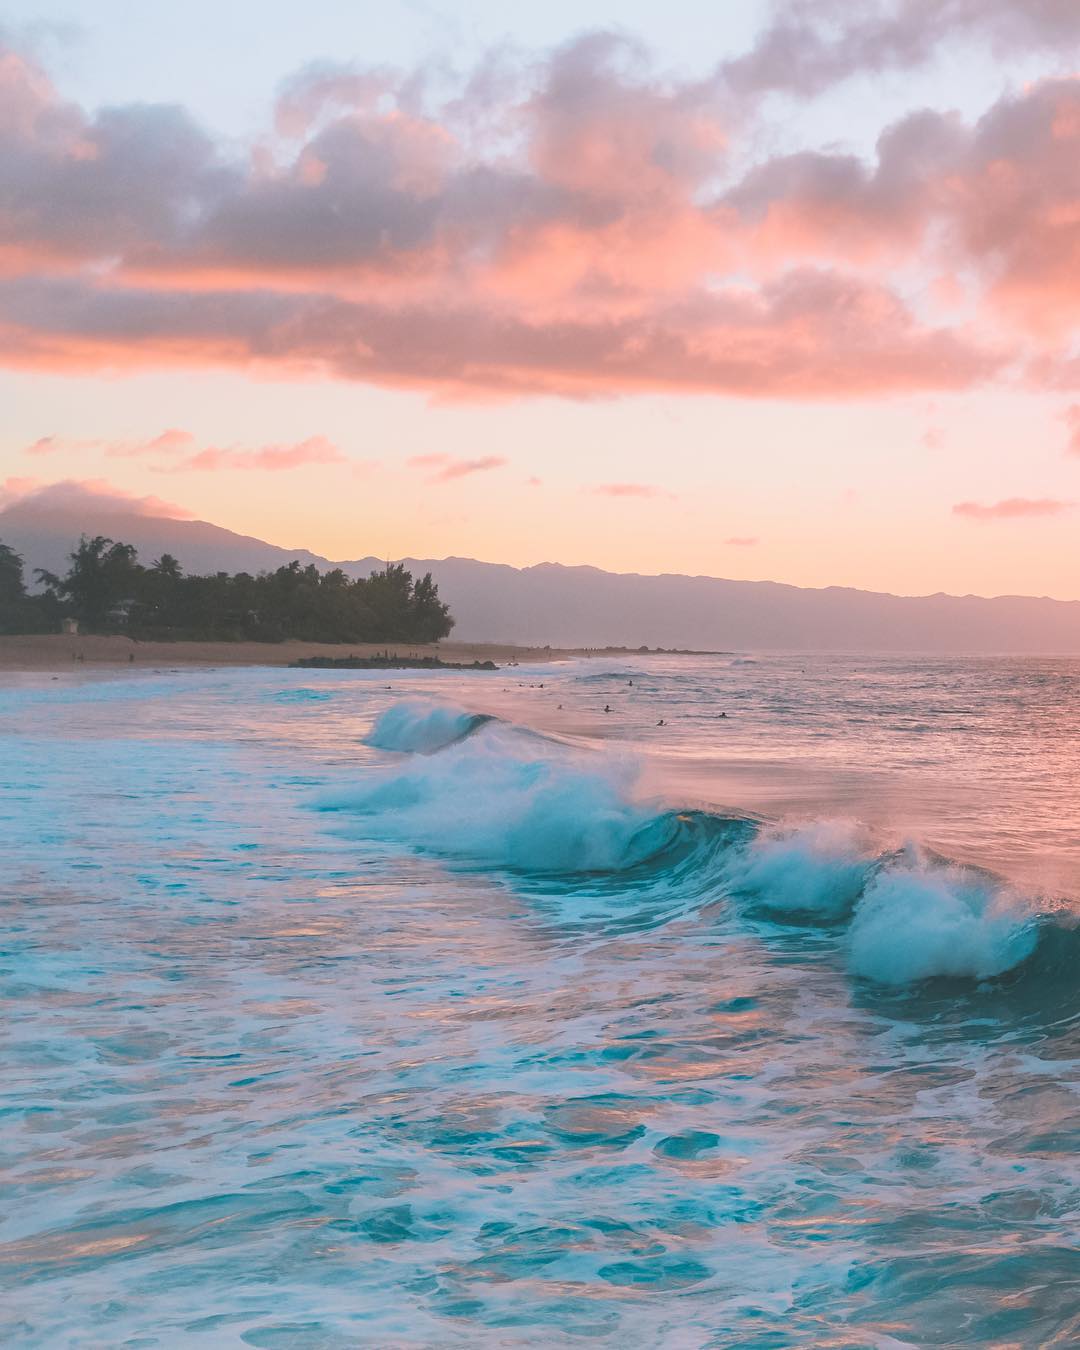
[[74, 494], [743, 541], [53, 445], [172, 443], [1012, 508], [272, 458], [44, 445], [1014, 206], [996, 201], [629, 490], [14, 489], [446, 468], [168, 442]]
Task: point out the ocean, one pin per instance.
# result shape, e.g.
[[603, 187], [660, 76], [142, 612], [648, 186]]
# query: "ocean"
[[440, 1009]]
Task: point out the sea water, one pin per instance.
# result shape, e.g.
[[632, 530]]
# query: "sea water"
[[405, 1010]]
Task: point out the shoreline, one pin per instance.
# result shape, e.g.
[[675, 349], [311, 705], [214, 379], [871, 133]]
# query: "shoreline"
[[54, 652]]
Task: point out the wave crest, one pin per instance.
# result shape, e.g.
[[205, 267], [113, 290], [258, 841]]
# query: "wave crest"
[[423, 725]]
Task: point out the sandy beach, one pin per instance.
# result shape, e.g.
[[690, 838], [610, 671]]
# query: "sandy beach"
[[61, 652]]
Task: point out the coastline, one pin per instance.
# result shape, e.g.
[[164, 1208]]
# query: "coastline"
[[58, 652]]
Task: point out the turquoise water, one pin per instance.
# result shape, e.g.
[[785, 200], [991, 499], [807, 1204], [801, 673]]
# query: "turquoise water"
[[338, 1015]]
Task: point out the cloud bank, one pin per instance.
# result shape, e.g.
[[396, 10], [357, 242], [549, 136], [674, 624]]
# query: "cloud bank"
[[581, 224]]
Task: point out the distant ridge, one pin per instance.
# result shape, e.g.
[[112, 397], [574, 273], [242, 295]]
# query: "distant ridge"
[[585, 606], [44, 532]]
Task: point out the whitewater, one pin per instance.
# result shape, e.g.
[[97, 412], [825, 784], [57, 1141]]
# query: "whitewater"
[[653, 1001]]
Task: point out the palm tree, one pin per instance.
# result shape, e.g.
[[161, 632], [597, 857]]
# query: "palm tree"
[[12, 586], [101, 575], [167, 566]]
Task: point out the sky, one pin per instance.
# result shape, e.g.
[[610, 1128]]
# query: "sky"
[[765, 289]]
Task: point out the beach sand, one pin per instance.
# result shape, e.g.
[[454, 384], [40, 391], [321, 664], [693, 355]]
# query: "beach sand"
[[60, 652]]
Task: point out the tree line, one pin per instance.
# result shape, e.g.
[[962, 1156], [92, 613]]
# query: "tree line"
[[107, 590]]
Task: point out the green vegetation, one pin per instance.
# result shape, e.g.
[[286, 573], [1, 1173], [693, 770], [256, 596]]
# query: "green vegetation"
[[108, 590], [19, 612], [388, 661]]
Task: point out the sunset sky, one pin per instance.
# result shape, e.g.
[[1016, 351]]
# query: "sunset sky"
[[768, 290]]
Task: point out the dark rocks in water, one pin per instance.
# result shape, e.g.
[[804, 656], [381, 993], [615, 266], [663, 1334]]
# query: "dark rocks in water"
[[387, 662]]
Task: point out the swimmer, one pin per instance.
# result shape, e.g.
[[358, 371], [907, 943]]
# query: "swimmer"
[[607, 707], [660, 723]]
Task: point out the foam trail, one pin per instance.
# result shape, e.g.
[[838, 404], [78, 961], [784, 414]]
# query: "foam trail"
[[423, 725]]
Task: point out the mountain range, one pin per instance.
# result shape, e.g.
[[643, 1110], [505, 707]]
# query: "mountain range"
[[585, 606]]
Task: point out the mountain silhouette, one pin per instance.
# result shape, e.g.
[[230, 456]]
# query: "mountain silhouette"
[[583, 606]]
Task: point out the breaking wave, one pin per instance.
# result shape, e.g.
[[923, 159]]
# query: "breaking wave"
[[508, 799], [423, 725], [500, 799]]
